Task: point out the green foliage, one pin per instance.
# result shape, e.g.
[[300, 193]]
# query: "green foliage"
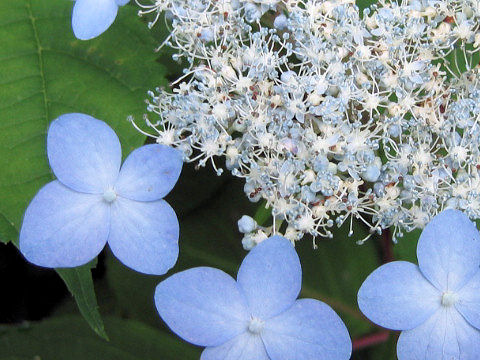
[[46, 72], [406, 248], [262, 214], [335, 271], [363, 4], [385, 351], [460, 61], [80, 284], [69, 338]]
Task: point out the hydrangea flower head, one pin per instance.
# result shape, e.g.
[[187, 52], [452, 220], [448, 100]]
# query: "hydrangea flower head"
[[95, 200], [91, 18], [330, 114], [435, 304], [255, 317]]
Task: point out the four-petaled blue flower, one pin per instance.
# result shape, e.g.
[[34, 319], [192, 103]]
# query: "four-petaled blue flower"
[[94, 200], [256, 317], [436, 304], [91, 18]]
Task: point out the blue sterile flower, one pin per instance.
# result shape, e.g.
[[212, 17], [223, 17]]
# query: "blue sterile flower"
[[436, 304], [256, 317], [94, 200], [91, 18]]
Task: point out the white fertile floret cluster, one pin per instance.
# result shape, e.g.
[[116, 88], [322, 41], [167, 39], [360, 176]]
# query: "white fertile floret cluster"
[[330, 115]]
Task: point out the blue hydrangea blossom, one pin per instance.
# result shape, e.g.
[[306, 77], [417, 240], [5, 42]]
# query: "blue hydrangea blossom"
[[437, 303], [90, 18], [95, 200], [255, 317]]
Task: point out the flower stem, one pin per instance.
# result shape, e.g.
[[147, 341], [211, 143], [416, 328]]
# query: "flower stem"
[[387, 246], [370, 340]]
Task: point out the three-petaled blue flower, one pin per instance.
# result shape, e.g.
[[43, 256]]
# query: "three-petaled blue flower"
[[91, 18], [94, 201], [436, 304], [256, 317]]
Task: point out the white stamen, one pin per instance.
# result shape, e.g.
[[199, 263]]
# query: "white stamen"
[[449, 299], [109, 195], [255, 326]]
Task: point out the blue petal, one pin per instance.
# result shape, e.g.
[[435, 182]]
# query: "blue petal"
[[245, 346], [445, 336], [469, 301], [84, 153], [203, 306], [449, 250], [397, 296], [144, 235], [149, 173], [122, 2], [308, 330], [271, 277], [63, 228], [91, 18]]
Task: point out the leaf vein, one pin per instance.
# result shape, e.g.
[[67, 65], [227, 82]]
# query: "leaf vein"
[[40, 61]]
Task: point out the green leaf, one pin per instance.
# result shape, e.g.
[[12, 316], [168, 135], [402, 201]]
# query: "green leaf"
[[46, 72], [335, 271], [406, 248], [363, 4], [262, 214], [194, 187], [80, 284], [387, 350], [460, 61], [69, 338]]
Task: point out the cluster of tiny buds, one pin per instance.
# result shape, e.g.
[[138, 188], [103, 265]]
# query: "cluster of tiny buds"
[[330, 114]]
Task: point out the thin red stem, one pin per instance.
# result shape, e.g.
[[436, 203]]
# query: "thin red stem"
[[370, 340]]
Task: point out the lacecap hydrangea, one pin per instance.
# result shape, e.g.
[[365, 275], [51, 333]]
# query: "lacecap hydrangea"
[[328, 115]]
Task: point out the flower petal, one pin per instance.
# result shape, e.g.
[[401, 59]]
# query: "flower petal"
[[271, 277], [449, 250], [202, 305], [149, 173], [63, 228], [144, 235], [469, 301], [91, 18], [445, 336], [310, 329], [84, 153], [397, 296], [245, 346]]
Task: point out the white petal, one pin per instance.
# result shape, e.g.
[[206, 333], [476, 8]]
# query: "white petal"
[[84, 153], [63, 228], [202, 305], [308, 330], [90, 18], [243, 347], [445, 336], [449, 250], [271, 277], [144, 235]]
